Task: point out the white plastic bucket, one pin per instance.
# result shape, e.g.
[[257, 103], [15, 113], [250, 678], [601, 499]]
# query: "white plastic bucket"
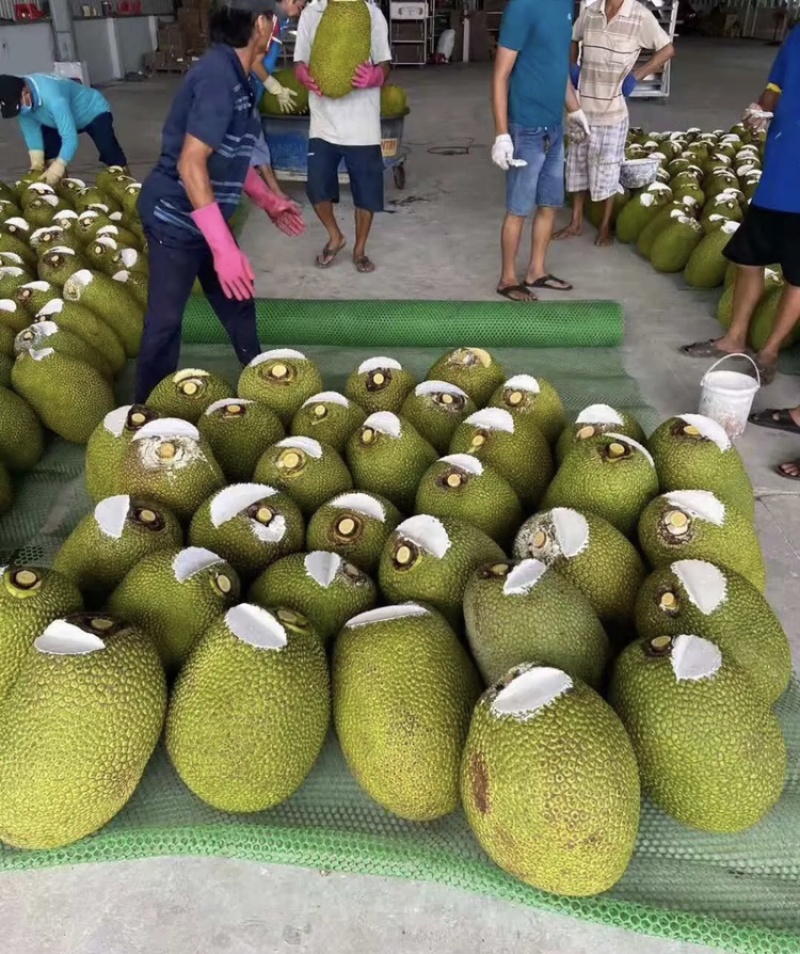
[[727, 396]]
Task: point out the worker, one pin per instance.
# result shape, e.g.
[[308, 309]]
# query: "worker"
[[189, 198], [609, 35], [52, 112], [530, 86], [346, 129]]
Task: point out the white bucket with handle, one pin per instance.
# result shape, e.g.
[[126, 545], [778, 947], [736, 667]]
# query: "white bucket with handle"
[[727, 396]]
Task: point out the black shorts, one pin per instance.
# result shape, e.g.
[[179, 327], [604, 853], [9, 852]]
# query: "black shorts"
[[767, 237], [364, 165]]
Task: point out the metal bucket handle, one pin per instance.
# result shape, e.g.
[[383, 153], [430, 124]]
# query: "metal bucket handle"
[[734, 354]]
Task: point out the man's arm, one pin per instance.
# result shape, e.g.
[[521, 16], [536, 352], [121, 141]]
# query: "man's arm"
[[655, 63], [574, 50], [571, 100], [504, 61], [260, 70], [380, 51], [65, 124], [303, 37], [652, 36], [32, 133], [209, 118], [193, 170]]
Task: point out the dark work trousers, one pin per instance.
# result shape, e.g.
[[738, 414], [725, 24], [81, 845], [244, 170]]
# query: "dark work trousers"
[[172, 274], [100, 130]]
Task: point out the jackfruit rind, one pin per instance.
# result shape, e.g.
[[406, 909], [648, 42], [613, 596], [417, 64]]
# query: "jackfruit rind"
[[343, 42], [328, 417], [188, 393], [435, 409], [239, 431], [308, 471], [678, 696], [394, 101], [474, 370], [379, 383], [403, 691], [107, 446], [111, 302], [250, 710], [355, 525], [269, 104], [525, 394], [81, 723], [281, 378], [594, 420], [560, 817], [47, 334], [86, 325], [21, 435]]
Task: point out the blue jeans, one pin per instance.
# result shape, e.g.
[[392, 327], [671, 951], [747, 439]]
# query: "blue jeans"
[[173, 271], [541, 182], [100, 130]]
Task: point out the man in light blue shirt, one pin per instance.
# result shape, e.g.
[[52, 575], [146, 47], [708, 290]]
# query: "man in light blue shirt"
[[52, 113]]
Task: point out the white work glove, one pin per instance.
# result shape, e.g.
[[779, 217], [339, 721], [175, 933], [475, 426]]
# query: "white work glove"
[[37, 160], [283, 94], [577, 126], [55, 172], [756, 119], [503, 154]]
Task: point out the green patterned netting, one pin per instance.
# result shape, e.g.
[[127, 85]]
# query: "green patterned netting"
[[740, 893]]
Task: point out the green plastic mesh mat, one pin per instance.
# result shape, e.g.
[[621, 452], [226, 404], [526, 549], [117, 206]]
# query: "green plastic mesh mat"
[[426, 324], [740, 893]]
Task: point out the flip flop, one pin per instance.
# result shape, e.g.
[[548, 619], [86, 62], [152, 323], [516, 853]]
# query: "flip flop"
[[548, 281], [777, 419], [766, 372], [509, 290], [363, 265], [707, 349], [789, 463], [327, 256]]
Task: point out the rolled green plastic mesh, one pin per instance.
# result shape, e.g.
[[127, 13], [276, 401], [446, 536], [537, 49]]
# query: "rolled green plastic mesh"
[[740, 893], [424, 324]]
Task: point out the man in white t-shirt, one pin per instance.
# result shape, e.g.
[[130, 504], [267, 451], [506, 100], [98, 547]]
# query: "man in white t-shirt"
[[346, 129]]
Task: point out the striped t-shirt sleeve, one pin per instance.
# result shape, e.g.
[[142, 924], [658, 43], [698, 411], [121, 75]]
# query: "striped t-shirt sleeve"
[[211, 112]]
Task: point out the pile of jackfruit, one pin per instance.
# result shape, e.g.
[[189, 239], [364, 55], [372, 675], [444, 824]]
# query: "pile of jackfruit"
[[494, 608], [684, 220], [73, 290]]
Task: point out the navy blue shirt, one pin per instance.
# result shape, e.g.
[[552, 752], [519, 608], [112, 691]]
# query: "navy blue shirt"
[[540, 32], [214, 103], [779, 187]]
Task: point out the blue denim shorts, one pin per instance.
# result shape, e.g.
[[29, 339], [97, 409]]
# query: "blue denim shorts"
[[541, 182]]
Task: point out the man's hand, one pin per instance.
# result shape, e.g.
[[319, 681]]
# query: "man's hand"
[[290, 221], [55, 172], [37, 160], [755, 119], [368, 76], [302, 72], [578, 126], [503, 154], [629, 84], [283, 94]]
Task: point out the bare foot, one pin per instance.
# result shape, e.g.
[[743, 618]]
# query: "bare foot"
[[790, 469], [573, 230], [363, 265], [605, 237]]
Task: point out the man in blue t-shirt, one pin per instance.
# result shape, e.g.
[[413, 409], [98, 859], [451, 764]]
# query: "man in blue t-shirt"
[[529, 89]]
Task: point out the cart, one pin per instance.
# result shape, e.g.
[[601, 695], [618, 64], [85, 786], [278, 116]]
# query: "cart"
[[287, 138]]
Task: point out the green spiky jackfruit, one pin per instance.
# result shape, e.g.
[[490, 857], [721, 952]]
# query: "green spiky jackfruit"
[[21, 436], [355, 525], [343, 42], [239, 432]]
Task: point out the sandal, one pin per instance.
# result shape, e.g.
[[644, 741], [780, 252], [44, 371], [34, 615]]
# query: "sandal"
[[522, 290], [766, 372], [790, 463], [777, 419], [363, 265], [551, 283], [327, 256], [708, 349]]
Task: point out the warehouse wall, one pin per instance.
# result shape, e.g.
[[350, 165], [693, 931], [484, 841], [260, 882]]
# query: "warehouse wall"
[[31, 51], [112, 47]]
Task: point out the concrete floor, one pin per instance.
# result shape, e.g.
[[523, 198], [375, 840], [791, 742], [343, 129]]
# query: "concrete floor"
[[441, 241]]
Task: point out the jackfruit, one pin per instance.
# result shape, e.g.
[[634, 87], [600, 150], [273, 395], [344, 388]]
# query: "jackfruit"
[[473, 370], [342, 42], [435, 409], [109, 301], [97, 254], [113, 180], [636, 213], [129, 260], [135, 284], [691, 450], [680, 699], [282, 379], [53, 236], [696, 525], [518, 612], [591, 553], [108, 445], [47, 334], [11, 277], [387, 456], [379, 384], [13, 316], [39, 212], [394, 101], [86, 325], [58, 264], [81, 723], [45, 377], [175, 596], [110, 541], [249, 525], [596, 210], [763, 319], [560, 816], [593, 421], [168, 462], [188, 394], [461, 486], [674, 245], [328, 417], [511, 445], [33, 296], [308, 471], [14, 234], [239, 432], [89, 222], [354, 525], [431, 559], [664, 217], [694, 596], [21, 436], [322, 586], [536, 398], [707, 265], [31, 597], [270, 106], [7, 337], [403, 691], [6, 363]]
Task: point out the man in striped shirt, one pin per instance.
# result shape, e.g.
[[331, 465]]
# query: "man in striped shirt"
[[610, 35]]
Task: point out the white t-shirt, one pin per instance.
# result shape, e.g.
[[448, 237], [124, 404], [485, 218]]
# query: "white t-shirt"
[[355, 119]]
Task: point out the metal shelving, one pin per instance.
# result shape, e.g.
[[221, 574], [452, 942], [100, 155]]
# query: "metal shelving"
[[657, 86], [411, 31]]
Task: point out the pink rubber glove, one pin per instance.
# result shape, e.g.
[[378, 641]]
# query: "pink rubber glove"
[[291, 221], [283, 212], [302, 72], [368, 76], [230, 263]]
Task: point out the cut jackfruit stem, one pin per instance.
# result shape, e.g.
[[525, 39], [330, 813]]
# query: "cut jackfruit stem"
[[223, 583], [290, 460], [478, 440], [279, 371], [454, 480], [190, 388], [320, 410], [264, 515], [26, 579], [101, 623], [446, 398], [660, 645], [691, 431], [167, 451], [405, 555], [539, 539], [346, 527], [367, 435], [499, 569], [514, 398], [287, 616], [616, 451], [378, 378], [668, 601], [585, 433]]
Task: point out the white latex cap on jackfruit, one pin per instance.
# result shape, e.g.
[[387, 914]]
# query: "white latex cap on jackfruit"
[[361, 503], [256, 626], [328, 397], [729, 227], [699, 503], [114, 422], [379, 363], [531, 691], [80, 279], [225, 402], [492, 419], [231, 501], [659, 187], [44, 230], [39, 286], [523, 382], [523, 577], [44, 329], [438, 387], [571, 529], [694, 658], [60, 250], [427, 533], [322, 567], [105, 240], [15, 259], [185, 373], [383, 614], [306, 444], [8, 304], [11, 271], [624, 439], [19, 223], [193, 560], [465, 462], [276, 354], [704, 584], [167, 427], [110, 515], [62, 638], [65, 214], [53, 307], [384, 422], [42, 354], [646, 199], [599, 414], [709, 429], [128, 256]]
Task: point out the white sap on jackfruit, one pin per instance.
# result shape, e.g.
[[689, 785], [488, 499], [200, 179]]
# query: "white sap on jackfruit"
[[532, 690], [427, 533]]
